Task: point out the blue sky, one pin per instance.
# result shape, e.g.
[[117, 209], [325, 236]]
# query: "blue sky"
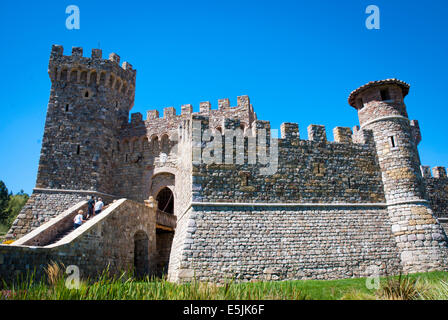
[[297, 60]]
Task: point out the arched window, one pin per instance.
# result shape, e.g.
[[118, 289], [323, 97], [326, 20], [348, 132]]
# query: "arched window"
[[93, 77], [141, 256], [165, 144], [154, 145], [74, 76], [165, 199]]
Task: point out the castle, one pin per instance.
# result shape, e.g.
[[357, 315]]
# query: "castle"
[[261, 209]]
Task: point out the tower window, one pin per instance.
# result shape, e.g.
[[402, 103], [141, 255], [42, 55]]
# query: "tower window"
[[86, 94], [385, 94], [78, 149], [392, 141], [66, 107], [360, 104]]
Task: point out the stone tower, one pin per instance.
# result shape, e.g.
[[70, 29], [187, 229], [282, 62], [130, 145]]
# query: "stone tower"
[[89, 101], [420, 239]]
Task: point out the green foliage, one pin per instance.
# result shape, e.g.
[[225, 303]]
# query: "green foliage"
[[3, 229], [403, 288], [439, 292], [10, 206], [107, 287], [124, 287], [4, 199], [15, 204]]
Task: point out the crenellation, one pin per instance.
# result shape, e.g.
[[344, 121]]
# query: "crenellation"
[[416, 133], [439, 172], [97, 54], [243, 102], [342, 135], [77, 52], [317, 133], [186, 109], [114, 57], [290, 131], [127, 66], [223, 104], [152, 114], [426, 171], [205, 107], [57, 51], [60, 67], [136, 117], [169, 112], [362, 136]]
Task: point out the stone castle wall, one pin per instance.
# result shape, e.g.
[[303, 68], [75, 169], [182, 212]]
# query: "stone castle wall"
[[268, 242], [436, 187], [314, 170]]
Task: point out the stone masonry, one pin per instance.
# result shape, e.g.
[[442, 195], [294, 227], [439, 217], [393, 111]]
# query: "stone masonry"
[[251, 207]]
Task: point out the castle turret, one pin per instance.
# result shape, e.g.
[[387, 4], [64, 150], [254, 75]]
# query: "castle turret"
[[90, 99], [420, 239]]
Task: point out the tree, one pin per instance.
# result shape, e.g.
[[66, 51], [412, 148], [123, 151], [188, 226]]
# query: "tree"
[[4, 199], [15, 204]]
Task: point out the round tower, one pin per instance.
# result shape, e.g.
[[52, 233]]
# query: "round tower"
[[381, 109], [89, 101]]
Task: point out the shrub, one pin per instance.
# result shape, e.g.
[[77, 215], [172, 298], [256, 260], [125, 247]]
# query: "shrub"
[[403, 288], [54, 273]]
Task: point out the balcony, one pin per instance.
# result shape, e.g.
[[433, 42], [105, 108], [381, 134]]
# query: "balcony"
[[165, 221]]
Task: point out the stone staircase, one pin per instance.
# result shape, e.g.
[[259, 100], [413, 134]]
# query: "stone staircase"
[[109, 239], [56, 230], [63, 233], [59, 236]]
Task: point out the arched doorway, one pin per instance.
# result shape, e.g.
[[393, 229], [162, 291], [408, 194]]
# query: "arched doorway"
[[141, 257], [165, 199], [164, 235]]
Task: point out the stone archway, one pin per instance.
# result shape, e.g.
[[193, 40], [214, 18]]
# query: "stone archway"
[[164, 233], [141, 255], [165, 200]]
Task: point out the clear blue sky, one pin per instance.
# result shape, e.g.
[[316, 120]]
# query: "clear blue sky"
[[297, 60]]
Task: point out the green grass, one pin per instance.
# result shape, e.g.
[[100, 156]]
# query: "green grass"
[[434, 285]]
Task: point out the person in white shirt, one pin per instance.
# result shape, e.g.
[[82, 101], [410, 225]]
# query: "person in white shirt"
[[98, 206], [78, 220]]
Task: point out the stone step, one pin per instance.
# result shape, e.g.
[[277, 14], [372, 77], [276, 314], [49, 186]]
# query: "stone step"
[[64, 233]]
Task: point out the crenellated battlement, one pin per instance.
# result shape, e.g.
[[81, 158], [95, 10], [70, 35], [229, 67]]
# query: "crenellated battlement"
[[317, 133], [289, 131], [92, 71], [205, 107], [436, 172]]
